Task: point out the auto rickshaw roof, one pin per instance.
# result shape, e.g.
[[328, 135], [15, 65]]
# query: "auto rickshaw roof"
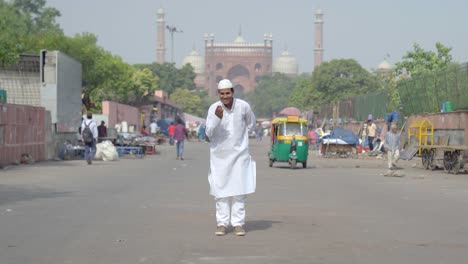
[[291, 119]]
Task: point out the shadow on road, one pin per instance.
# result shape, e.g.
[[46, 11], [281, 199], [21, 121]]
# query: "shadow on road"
[[11, 194], [258, 225]]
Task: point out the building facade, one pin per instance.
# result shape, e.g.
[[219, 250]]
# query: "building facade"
[[242, 62]]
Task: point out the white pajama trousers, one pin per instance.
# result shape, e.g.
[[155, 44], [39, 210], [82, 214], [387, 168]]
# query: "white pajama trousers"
[[230, 210], [393, 156]]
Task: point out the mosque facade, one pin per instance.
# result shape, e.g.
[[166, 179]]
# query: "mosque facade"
[[242, 62]]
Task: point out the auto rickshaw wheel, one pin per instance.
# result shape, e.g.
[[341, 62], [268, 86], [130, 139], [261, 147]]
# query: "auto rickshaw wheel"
[[270, 163], [293, 164], [304, 164]]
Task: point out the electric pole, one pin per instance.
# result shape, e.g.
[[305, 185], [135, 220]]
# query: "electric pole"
[[172, 30]]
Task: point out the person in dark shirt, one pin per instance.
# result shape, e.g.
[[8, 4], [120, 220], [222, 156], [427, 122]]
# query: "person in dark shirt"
[[102, 131]]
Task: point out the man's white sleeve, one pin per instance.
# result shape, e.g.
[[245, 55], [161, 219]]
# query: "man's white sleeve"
[[212, 121], [250, 119]]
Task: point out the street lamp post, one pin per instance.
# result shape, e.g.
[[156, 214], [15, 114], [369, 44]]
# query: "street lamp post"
[[172, 30]]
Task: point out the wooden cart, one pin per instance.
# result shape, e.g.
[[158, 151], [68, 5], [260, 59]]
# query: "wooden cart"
[[340, 150], [451, 158]]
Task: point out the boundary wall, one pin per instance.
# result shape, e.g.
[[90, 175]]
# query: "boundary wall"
[[22, 131]]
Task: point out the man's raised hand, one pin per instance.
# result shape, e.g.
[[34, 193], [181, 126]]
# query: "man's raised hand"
[[219, 112]]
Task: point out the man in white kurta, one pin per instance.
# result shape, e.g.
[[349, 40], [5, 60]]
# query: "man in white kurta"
[[232, 170]]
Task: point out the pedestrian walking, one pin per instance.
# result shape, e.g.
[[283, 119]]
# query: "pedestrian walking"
[[170, 133], [232, 170], [392, 145], [89, 134], [201, 132], [371, 133], [180, 133], [259, 132]]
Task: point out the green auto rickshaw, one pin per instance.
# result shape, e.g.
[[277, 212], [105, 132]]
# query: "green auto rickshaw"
[[289, 141]]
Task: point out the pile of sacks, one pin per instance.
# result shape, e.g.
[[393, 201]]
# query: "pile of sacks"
[[106, 151]]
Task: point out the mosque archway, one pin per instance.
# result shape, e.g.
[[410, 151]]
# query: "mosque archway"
[[238, 71], [239, 91], [258, 67]]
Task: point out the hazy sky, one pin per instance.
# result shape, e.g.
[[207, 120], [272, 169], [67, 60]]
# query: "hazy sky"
[[365, 30]]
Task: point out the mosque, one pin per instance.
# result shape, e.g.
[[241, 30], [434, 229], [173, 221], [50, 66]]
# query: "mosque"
[[243, 62]]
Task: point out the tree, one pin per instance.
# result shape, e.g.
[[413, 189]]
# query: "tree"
[[144, 85], [271, 94], [40, 18], [24, 27], [205, 102], [171, 78], [304, 95], [419, 61], [12, 30], [187, 100], [341, 78]]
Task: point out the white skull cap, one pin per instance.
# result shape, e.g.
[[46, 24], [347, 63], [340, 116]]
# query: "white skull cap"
[[224, 84]]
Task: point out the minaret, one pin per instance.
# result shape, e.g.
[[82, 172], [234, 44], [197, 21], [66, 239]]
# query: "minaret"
[[318, 50], [161, 37]]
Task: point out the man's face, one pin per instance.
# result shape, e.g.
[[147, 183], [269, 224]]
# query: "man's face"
[[225, 95], [394, 129]]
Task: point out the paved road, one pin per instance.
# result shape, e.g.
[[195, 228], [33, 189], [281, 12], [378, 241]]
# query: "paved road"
[[157, 210]]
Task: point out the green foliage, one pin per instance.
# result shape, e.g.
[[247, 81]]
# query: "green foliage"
[[144, 86], [171, 78], [271, 94], [28, 26], [189, 101], [304, 95], [389, 85], [205, 102], [419, 61], [40, 19], [341, 78], [25, 25], [12, 30]]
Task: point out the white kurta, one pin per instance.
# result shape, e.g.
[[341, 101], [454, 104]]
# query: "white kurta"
[[232, 169]]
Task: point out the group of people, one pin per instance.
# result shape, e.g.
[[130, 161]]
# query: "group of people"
[[390, 138], [232, 171]]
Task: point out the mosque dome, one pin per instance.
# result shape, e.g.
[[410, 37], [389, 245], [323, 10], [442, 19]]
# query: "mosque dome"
[[196, 60], [384, 66], [239, 39], [286, 63], [160, 10]]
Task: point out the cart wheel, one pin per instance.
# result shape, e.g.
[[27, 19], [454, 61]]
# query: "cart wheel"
[[451, 162], [425, 158], [447, 159], [293, 164], [456, 163], [304, 164], [432, 163], [270, 163]]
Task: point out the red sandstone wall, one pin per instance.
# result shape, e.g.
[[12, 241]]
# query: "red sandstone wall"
[[120, 112], [22, 130]]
